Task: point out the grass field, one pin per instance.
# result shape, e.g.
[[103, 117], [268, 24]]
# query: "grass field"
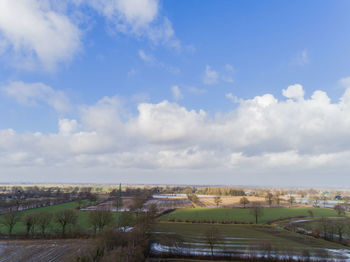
[[241, 214], [82, 217]]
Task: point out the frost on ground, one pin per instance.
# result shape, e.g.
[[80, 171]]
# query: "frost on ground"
[[42, 250]]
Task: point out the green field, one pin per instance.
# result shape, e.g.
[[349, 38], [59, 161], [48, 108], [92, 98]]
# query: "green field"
[[82, 217], [246, 235], [241, 214]]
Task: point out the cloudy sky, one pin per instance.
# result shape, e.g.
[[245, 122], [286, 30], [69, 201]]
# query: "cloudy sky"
[[178, 92]]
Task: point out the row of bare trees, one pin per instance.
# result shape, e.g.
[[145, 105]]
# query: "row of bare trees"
[[40, 221], [130, 241]]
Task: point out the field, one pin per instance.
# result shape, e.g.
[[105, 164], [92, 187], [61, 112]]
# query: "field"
[[110, 205], [163, 204], [228, 201], [42, 250], [242, 214], [82, 217], [241, 239]]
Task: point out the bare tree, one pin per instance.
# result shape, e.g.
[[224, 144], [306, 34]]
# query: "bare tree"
[[325, 226], [311, 214], [212, 237], [269, 198], [340, 226], [324, 200], [99, 219], [217, 201], [257, 211], [44, 220], [291, 200], [244, 201], [30, 220], [66, 217], [138, 203], [9, 220], [340, 209], [316, 202], [277, 199]]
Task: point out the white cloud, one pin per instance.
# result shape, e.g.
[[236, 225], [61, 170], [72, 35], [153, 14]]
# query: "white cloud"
[[34, 33], [295, 137], [66, 126], [137, 17], [49, 33], [212, 76], [294, 91], [176, 92], [32, 94]]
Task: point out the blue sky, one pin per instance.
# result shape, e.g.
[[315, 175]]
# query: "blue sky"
[[171, 84]]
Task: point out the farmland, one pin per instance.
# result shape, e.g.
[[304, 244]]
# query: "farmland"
[[242, 214], [227, 201], [240, 239], [42, 250], [180, 232]]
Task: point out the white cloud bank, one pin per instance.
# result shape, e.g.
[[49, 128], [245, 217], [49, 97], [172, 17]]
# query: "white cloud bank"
[[262, 137]]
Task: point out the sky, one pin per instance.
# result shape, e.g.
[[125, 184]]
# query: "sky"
[[175, 92]]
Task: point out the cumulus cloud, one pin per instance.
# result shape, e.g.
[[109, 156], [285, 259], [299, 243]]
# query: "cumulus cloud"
[[32, 94], [177, 94], [67, 126], [36, 34], [294, 91], [261, 136]]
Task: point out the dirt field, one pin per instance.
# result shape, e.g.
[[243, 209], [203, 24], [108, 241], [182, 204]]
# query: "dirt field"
[[228, 201], [42, 250]]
